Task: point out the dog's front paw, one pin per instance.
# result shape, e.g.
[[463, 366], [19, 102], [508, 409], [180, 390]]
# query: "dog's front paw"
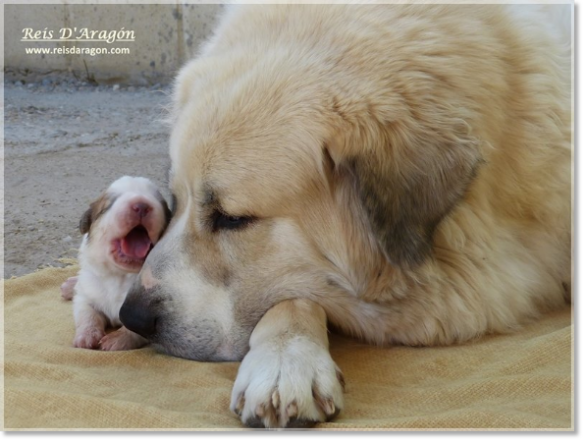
[[121, 339], [292, 385], [68, 288], [88, 337]]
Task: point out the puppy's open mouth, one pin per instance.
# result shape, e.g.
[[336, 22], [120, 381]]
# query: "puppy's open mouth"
[[131, 250]]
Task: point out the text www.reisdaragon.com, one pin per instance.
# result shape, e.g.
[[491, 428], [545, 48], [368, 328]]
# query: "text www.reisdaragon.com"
[[77, 51]]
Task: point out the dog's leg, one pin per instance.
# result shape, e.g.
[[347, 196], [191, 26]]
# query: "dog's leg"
[[68, 288], [288, 378], [122, 339], [90, 324]]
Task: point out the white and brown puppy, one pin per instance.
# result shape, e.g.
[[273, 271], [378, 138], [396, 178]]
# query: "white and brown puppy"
[[120, 228], [402, 171]]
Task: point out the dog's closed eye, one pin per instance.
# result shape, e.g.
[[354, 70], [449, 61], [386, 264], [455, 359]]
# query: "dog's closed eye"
[[223, 221]]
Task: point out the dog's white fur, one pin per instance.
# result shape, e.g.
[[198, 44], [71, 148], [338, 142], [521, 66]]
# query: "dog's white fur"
[[403, 171], [103, 282]]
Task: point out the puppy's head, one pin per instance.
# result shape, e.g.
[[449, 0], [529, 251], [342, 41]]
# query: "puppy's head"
[[123, 224], [288, 187]]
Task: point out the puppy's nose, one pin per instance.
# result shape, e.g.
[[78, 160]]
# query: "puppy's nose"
[[142, 209], [138, 313]]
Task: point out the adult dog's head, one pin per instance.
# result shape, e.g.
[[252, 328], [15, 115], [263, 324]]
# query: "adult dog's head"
[[298, 170]]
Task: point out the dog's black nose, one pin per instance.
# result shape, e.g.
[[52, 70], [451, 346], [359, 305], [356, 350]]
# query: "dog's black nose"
[[138, 313]]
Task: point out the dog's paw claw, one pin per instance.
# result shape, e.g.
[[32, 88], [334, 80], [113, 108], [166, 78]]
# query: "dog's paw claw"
[[239, 404], [292, 410]]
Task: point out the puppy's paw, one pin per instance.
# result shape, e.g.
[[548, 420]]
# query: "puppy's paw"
[[292, 385], [88, 338], [121, 339], [68, 288]]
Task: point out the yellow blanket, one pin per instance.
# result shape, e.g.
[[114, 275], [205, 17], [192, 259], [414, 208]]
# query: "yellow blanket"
[[521, 380]]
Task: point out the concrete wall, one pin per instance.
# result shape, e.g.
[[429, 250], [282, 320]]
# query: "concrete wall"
[[165, 36]]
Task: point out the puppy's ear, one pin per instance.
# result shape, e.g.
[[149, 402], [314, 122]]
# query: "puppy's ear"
[[407, 187], [96, 209], [85, 221]]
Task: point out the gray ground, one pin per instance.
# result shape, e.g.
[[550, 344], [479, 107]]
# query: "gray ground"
[[65, 142]]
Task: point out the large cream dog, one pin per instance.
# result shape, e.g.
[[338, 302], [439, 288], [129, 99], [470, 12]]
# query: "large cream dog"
[[403, 172]]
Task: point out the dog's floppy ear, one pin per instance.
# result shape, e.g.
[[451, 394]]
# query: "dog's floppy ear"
[[96, 209], [85, 221], [408, 186]]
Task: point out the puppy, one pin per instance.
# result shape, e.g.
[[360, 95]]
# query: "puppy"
[[120, 228]]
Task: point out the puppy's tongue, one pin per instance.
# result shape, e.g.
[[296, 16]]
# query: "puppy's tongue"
[[136, 244]]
